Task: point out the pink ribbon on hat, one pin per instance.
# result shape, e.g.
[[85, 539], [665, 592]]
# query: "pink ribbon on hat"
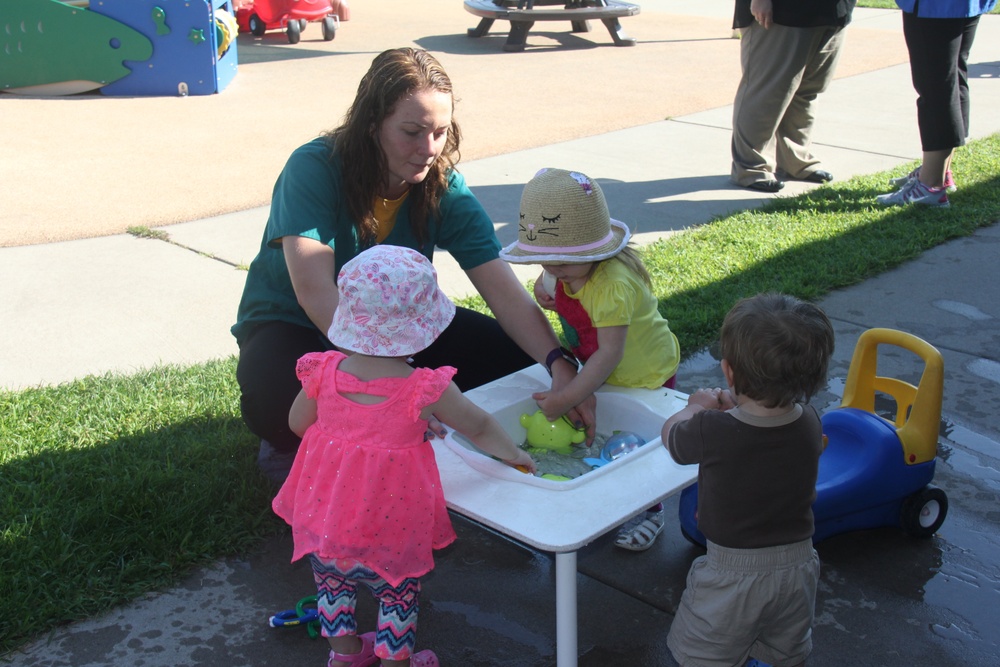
[[575, 248]]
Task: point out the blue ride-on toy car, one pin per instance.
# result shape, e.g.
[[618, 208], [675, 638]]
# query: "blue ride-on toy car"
[[873, 472]]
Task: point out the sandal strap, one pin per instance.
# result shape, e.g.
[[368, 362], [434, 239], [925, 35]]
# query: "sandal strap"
[[647, 530], [643, 532]]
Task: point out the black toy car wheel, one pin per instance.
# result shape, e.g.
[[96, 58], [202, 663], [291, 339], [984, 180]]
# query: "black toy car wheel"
[[329, 28], [294, 32], [924, 512], [257, 27]]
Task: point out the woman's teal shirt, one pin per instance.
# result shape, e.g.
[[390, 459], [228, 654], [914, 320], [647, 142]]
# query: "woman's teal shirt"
[[308, 201]]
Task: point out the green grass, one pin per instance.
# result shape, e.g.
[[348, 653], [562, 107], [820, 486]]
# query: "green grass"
[[808, 245], [112, 486], [143, 232], [891, 4], [115, 486]]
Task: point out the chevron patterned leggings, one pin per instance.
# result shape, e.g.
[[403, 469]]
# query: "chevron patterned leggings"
[[337, 584]]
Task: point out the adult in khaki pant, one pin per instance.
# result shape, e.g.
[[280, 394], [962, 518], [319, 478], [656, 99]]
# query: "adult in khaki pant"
[[789, 52]]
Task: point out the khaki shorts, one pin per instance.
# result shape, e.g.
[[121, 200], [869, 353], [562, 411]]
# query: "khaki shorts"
[[742, 603]]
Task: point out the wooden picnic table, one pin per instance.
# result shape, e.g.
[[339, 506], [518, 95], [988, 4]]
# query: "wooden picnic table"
[[523, 14]]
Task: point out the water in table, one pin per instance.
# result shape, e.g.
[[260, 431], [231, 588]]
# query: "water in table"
[[583, 459]]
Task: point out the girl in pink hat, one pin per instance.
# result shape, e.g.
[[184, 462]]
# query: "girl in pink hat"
[[364, 496], [602, 293]]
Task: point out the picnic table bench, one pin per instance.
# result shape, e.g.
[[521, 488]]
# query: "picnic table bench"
[[522, 15]]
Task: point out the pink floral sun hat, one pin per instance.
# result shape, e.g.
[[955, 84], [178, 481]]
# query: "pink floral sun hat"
[[390, 303]]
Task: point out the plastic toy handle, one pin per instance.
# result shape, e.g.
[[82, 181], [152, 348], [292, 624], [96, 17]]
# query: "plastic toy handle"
[[918, 409]]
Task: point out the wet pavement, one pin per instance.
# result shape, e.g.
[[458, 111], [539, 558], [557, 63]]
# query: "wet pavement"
[[886, 598]]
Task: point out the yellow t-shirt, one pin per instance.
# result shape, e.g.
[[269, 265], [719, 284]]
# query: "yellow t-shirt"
[[614, 296], [385, 214]]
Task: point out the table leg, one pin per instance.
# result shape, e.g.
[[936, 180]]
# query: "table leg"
[[617, 34], [566, 643], [518, 35], [481, 29]]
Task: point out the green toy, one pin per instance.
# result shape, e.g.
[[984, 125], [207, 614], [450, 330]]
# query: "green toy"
[[558, 436]]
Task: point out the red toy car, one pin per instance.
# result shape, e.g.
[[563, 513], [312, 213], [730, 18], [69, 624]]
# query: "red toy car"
[[292, 16]]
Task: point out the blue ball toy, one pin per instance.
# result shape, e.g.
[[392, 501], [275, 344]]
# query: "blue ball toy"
[[621, 443]]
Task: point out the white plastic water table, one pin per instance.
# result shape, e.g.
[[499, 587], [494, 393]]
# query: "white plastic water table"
[[556, 519]]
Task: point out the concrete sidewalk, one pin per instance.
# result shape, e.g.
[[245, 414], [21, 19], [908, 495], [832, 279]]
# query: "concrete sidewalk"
[[120, 303]]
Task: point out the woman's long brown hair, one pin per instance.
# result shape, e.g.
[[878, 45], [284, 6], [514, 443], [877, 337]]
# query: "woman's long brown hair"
[[393, 75]]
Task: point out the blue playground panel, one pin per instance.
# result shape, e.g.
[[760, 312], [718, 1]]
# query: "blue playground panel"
[[185, 57], [120, 47]]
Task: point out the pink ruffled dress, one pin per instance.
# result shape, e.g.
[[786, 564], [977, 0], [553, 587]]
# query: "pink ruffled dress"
[[365, 484]]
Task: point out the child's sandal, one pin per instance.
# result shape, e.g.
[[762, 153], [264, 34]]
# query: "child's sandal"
[[364, 658], [640, 533]]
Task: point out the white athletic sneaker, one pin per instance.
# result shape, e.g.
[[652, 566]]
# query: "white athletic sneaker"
[[915, 192], [949, 180]]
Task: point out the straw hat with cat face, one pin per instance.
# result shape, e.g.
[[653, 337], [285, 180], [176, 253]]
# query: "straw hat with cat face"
[[565, 220]]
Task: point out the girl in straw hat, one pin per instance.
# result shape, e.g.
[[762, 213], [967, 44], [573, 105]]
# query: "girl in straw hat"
[[602, 293], [364, 495]]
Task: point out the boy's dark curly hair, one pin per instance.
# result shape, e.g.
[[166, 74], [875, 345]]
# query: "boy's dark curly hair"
[[778, 347]]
